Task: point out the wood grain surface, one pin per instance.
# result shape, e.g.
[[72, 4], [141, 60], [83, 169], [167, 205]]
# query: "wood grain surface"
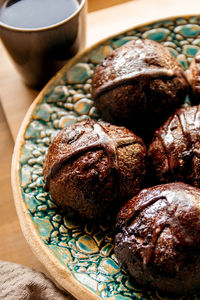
[[105, 17]]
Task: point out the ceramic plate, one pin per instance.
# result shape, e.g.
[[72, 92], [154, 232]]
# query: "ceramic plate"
[[79, 255]]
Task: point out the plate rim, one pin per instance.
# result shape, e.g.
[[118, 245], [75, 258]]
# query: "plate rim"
[[58, 271]]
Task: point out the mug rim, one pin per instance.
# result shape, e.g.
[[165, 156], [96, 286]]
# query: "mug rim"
[[44, 28]]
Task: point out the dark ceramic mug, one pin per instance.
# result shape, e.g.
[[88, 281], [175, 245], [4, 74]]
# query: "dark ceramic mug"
[[38, 53]]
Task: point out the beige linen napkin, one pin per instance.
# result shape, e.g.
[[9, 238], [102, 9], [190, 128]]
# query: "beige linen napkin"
[[22, 283]]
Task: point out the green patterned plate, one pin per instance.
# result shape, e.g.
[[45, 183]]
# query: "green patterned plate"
[[79, 255]]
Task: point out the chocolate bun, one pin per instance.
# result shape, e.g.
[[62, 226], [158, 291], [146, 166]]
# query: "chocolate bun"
[[92, 167], [158, 238], [138, 86], [174, 154], [194, 79]]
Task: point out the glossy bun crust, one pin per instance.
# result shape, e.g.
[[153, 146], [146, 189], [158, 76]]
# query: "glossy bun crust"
[[194, 78], [174, 154], [93, 167], [138, 86], [158, 239]]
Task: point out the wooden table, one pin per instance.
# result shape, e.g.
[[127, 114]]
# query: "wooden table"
[[104, 18]]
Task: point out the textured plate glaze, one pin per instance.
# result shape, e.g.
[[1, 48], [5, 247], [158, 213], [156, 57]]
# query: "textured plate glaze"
[[80, 255]]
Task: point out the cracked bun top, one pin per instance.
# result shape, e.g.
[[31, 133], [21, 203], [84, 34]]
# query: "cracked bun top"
[[174, 154], [138, 83], [194, 78], [158, 237], [92, 165]]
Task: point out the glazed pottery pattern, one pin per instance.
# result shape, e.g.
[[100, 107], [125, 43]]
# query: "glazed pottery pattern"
[[85, 249]]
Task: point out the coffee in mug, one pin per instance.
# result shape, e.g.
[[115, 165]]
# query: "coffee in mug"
[[42, 35]]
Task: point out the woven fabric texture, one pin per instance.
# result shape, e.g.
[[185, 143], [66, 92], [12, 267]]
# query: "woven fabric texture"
[[22, 283]]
